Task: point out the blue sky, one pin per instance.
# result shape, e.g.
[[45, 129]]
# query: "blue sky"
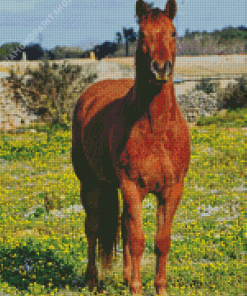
[[81, 22]]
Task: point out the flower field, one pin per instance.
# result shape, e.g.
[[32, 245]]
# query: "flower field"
[[42, 240]]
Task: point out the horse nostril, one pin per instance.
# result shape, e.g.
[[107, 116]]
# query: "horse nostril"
[[154, 66], [169, 67]]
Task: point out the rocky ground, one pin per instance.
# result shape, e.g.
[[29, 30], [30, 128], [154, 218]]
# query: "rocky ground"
[[193, 103]]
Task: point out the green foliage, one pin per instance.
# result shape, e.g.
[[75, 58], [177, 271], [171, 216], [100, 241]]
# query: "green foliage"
[[30, 263], [39, 212], [50, 91], [235, 95], [225, 41], [227, 33], [8, 48], [230, 118], [233, 98], [239, 33], [207, 86], [59, 52]]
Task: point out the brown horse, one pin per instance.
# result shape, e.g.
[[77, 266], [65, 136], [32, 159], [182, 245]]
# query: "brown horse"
[[131, 134]]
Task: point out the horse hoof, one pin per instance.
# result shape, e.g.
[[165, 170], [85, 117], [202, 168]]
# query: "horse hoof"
[[162, 292], [91, 278], [135, 289], [126, 280]]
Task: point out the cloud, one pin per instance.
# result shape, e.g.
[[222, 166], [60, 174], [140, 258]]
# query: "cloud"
[[17, 6]]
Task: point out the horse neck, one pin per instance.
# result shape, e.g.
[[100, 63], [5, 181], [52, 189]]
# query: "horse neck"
[[158, 102]]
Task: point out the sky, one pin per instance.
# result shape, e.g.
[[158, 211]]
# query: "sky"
[[85, 22]]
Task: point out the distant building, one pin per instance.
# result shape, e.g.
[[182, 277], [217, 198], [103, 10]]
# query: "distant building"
[[24, 56], [92, 55]]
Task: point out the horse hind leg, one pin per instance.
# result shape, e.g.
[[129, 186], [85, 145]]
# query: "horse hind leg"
[[108, 215], [90, 203], [102, 213]]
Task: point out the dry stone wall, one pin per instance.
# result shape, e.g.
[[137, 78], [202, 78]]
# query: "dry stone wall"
[[193, 104]]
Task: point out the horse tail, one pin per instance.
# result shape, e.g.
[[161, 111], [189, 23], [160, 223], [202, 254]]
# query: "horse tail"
[[108, 224]]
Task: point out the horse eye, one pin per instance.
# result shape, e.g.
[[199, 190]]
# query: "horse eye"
[[174, 34]]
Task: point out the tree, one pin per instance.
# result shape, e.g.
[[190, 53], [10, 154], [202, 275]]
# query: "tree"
[[11, 51], [34, 52], [187, 33], [105, 49], [130, 36], [119, 37], [59, 52]]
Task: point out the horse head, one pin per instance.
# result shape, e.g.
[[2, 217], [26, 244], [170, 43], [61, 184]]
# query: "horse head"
[[155, 55]]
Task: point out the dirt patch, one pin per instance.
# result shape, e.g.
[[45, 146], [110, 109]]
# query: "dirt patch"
[[211, 65]]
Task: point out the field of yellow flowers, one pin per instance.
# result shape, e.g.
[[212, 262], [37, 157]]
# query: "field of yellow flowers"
[[42, 240]]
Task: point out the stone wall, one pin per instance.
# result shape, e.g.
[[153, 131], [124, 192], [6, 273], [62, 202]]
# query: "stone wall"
[[193, 103]]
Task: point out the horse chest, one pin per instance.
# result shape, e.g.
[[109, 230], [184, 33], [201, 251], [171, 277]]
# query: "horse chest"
[[148, 159]]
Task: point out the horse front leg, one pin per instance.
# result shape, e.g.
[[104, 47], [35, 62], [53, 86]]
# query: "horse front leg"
[[167, 205], [134, 241]]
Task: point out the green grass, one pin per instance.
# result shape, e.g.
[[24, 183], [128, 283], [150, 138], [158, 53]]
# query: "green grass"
[[231, 118], [42, 241]]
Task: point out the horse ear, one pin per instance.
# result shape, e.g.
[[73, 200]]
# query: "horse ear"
[[171, 8], [141, 9]]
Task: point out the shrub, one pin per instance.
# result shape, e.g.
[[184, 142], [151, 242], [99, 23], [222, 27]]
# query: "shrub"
[[32, 262], [50, 91], [207, 86], [235, 95]]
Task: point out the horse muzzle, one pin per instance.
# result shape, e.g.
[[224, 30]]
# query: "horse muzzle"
[[161, 73]]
